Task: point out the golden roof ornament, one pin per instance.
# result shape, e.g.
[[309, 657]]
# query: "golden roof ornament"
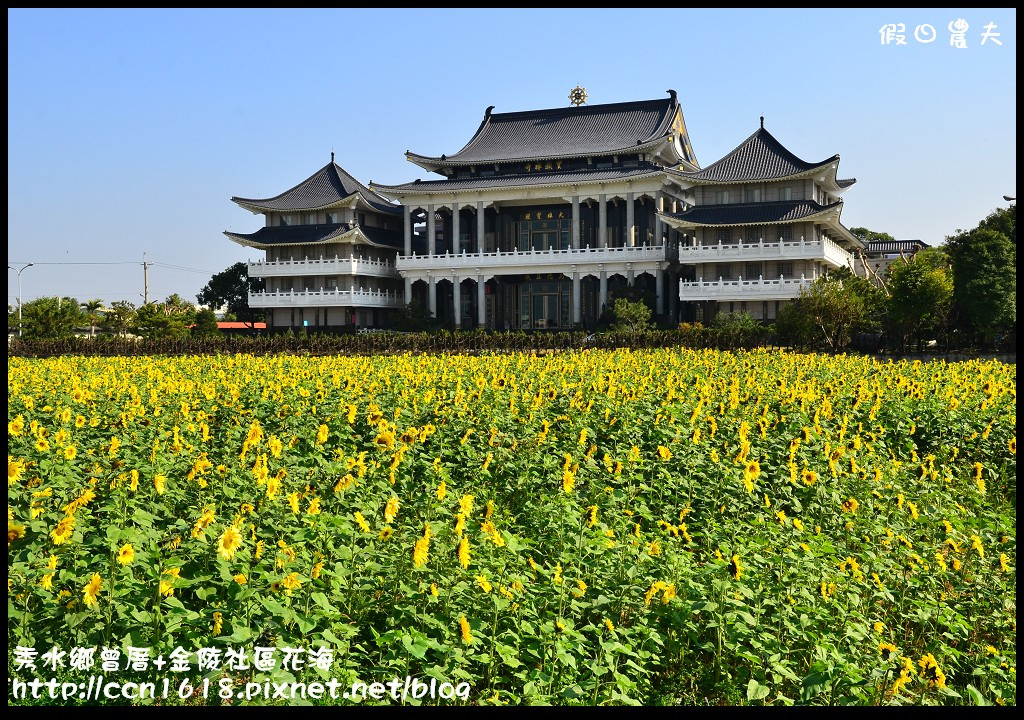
[[578, 96]]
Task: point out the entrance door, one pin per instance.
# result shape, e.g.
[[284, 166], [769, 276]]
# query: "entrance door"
[[544, 240], [545, 311]]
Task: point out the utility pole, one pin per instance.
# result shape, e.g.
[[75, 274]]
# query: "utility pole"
[[10, 267], [145, 280]]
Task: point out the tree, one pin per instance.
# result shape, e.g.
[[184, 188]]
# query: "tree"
[[735, 327], [871, 235], [169, 319], [119, 317], [793, 326], [630, 315], [873, 299], [921, 293], [834, 310], [51, 318], [230, 289], [206, 324], [93, 316], [985, 276], [414, 317]]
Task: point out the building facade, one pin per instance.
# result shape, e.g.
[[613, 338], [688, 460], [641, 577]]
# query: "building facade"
[[544, 217], [330, 245]]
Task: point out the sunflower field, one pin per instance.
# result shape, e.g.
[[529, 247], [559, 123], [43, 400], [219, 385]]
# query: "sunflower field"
[[662, 526]]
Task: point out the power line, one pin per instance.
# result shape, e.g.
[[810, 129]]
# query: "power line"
[[179, 267], [125, 262], [78, 263]]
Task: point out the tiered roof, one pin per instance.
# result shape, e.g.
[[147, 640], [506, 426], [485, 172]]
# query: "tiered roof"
[[317, 234], [594, 130], [761, 157], [329, 187]]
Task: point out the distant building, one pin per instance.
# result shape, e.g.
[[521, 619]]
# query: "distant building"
[[545, 216], [880, 254], [231, 325]]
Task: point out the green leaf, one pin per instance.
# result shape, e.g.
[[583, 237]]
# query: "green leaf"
[[416, 646], [813, 685], [756, 691]]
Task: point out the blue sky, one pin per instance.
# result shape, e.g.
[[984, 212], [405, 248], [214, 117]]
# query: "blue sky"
[[130, 130]]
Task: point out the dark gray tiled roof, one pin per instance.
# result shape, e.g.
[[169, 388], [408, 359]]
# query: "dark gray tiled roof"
[[563, 132], [847, 182], [759, 157], [753, 213], [325, 187], [907, 246], [549, 178], [312, 234]]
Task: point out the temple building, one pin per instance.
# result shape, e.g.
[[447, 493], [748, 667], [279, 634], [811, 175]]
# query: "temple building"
[[544, 217], [331, 245], [765, 224]]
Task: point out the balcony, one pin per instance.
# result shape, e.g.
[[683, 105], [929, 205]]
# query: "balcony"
[[517, 261], [326, 298], [324, 266], [823, 249], [760, 289]]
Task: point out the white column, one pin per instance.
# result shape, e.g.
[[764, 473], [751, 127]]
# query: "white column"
[[430, 230], [457, 300], [659, 291], [407, 230], [577, 311], [602, 296], [673, 297], [481, 302], [658, 225], [630, 221], [408, 290], [602, 221], [456, 242], [575, 222], [480, 225], [432, 295]]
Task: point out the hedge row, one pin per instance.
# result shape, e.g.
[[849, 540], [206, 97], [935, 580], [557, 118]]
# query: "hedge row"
[[475, 341]]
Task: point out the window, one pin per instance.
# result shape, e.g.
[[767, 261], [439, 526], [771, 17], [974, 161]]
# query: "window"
[[724, 235], [722, 197], [752, 271], [332, 218], [722, 270], [286, 220], [362, 218], [753, 195], [784, 232], [784, 269], [311, 219], [786, 193]]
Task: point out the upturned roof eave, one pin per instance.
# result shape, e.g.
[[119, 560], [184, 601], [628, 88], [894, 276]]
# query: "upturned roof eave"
[[692, 177], [347, 236], [433, 164], [424, 189]]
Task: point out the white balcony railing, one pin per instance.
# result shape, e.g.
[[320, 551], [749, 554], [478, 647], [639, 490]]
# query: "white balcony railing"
[[760, 289], [749, 251], [323, 266], [526, 258], [322, 298]]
